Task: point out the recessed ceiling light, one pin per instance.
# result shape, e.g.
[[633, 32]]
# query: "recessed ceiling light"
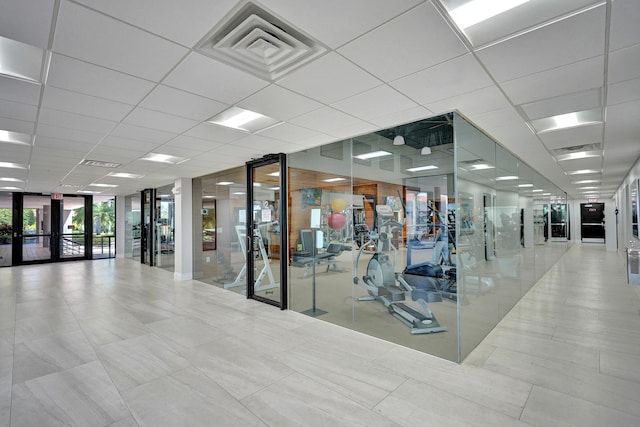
[[334, 179], [274, 188], [276, 173], [9, 165], [582, 172], [422, 168], [525, 185], [88, 192], [20, 60], [241, 119], [12, 188], [578, 155], [164, 158], [103, 185], [257, 184], [476, 11], [588, 188], [125, 175], [224, 183], [15, 137], [585, 181], [372, 155], [239, 193], [537, 191], [481, 166], [208, 197], [568, 120], [11, 179], [506, 178]]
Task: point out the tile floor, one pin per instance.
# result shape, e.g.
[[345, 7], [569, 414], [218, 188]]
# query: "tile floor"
[[113, 342]]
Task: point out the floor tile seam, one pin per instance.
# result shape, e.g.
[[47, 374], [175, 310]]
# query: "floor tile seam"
[[597, 347], [13, 354]]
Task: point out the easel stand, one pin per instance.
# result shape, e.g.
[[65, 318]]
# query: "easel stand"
[[314, 311]]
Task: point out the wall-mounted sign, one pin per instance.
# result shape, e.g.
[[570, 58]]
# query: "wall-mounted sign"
[[56, 196]]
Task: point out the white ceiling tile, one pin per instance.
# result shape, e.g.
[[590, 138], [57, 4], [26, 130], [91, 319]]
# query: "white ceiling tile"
[[624, 64], [622, 121], [78, 76], [121, 155], [207, 77], [326, 120], [18, 111], [64, 144], [573, 39], [416, 40], [180, 103], [128, 131], [574, 136], [451, 78], [17, 125], [215, 133], [185, 22], [349, 130], [84, 34], [594, 163], [379, 101], [14, 153], [19, 91], [572, 78], [78, 103], [401, 117], [268, 144], [329, 79], [348, 19], [47, 130], [191, 143], [622, 92], [28, 21], [161, 121], [580, 101], [75, 121], [475, 102], [625, 15], [279, 103], [291, 133]]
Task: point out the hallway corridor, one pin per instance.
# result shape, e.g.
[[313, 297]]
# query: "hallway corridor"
[[114, 342]]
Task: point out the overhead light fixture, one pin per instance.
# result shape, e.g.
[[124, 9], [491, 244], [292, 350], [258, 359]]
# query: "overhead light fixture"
[[164, 158], [102, 185], [12, 188], [21, 61], [10, 165], [245, 120], [588, 188], [422, 168], [100, 163], [88, 192], [425, 151], [582, 172], [372, 155], [568, 120], [274, 188], [337, 179], [481, 166], [506, 178], [257, 184], [585, 181], [125, 175], [239, 193], [537, 191], [525, 185], [398, 140], [476, 11], [276, 173], [11, 179], [15, 137], [578, 155], [224, 183]]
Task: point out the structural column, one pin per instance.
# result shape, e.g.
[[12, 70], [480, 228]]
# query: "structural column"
[[123, 233], [183, 191]]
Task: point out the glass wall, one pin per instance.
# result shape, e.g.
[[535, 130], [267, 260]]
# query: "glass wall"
[[164, 228], [6, 229], [104, 226], [132, 223], [424, 234]]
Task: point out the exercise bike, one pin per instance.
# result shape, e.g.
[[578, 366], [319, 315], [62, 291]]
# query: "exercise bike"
[[384, 284]]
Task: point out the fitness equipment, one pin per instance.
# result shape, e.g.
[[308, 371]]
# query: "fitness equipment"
[[390, 288], [241, 231]]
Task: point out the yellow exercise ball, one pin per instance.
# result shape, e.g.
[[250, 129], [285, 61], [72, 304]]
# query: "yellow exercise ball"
[[338, 205]]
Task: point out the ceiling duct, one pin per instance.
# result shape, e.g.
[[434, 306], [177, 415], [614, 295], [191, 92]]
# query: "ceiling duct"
[[256, 41], [431, 132]]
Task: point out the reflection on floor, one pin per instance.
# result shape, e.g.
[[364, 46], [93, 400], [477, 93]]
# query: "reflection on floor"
[[115, 342]]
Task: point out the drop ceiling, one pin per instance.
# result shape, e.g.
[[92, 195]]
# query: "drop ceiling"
[[120, 80]]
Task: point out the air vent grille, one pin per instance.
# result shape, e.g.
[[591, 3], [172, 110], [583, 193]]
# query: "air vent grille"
[[101, 164], [260, 43], [576, 149]]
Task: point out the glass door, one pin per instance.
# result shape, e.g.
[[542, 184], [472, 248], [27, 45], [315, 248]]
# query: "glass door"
[[266, 232], [146, 237], [6, 229], [50, 228], [592, 222]]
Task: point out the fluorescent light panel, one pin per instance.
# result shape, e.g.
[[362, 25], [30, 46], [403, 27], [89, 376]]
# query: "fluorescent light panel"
[[422, 168], [481, 166], [245, 120], [224, 183], [15, 137], [20, 60], [506, 178], [10, 165], [373, 155], [568, 120], [578, 155], [125, 175], [11, 179], [582, 172], [525, 185], [334, 179], [164, 158], [476, 11]]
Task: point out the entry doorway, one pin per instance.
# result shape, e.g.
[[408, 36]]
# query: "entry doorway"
[[592, 222], [51, 228], [264, 240]]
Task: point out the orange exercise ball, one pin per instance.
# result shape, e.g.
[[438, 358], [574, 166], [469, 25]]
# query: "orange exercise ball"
[[336, 221]]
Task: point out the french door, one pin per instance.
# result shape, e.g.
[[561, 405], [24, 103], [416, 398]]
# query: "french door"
[[51, 228], [266, 230]]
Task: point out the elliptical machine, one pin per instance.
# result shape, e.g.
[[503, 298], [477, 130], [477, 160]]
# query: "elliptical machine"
[[384, 284]]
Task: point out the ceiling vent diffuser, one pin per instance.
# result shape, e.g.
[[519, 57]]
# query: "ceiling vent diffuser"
[[258, 42], [576, 149]]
